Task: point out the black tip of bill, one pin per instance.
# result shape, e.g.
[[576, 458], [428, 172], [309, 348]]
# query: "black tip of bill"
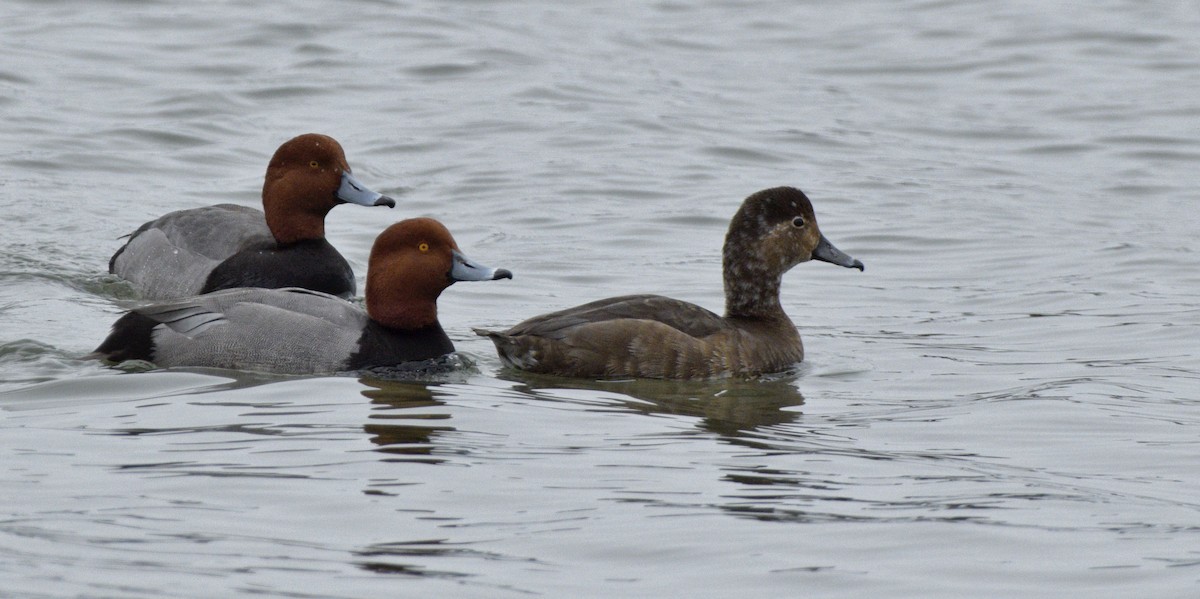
[[826, 252]]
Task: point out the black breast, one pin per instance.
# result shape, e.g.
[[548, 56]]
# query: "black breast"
[[310, 264], [380, 346]]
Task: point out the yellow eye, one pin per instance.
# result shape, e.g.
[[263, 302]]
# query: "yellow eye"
[[424, 247], [314, 164]]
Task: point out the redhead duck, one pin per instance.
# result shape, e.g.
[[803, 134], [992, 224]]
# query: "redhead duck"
[[195, 251], [652, 336], [299, 331]]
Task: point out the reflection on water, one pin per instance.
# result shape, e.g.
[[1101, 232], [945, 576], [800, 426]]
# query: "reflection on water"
[[399, 558], [395, 401], [729, 408]]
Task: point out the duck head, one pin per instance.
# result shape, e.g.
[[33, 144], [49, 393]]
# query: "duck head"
[[411, 263], [774, 230], [306, 178]]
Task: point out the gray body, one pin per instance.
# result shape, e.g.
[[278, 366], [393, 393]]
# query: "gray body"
[[173, 255], [275, 330]]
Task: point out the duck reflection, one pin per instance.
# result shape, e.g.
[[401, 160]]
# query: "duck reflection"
[[402, 423], [728, 407]]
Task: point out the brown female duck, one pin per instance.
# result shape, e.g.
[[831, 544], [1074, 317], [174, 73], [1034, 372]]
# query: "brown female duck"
[[658, 337]]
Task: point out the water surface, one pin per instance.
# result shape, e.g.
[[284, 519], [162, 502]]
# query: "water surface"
[[1003, 404]]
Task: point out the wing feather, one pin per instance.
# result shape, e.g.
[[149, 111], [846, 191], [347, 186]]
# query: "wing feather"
[[684, 317]]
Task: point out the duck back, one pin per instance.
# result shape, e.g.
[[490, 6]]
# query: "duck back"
[[683, 316]]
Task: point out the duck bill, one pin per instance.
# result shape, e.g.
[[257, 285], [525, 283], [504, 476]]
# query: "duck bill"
[[825, 252], [465, 269], [353, 192]]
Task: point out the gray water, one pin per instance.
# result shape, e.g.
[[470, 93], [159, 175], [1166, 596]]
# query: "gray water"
[[1003, 405]]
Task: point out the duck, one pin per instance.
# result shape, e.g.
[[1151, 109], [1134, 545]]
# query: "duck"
[[198, 250], [651, 336], [301, 331]]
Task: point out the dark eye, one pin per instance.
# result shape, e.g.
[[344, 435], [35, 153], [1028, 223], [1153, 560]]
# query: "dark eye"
[[798, 222], [314, 164]]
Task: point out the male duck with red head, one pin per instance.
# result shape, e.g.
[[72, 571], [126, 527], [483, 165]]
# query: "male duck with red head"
[[194, 251], [297, 331], [651, 336]]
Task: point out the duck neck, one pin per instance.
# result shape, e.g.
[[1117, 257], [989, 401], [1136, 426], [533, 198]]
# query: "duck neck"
[[399, 305], [292, 214], [748, 298], [295, 227], [400, 313], [751, 286]]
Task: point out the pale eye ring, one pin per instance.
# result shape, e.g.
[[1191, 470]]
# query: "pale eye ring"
[[314, 163], [424, 247], [798, 222]]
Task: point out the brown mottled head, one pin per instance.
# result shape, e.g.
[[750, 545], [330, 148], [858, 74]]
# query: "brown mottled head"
[[306, 178], [774, 230], [411, 263]]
